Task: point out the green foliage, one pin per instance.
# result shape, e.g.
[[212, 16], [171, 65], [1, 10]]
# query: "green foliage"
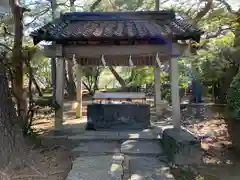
[[214, 67], [233, 99], [199, 178], [141, 75], [184, 73], [91, 78]]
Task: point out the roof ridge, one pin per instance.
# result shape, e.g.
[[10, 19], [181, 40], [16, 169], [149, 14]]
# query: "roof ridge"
[[108, 16]]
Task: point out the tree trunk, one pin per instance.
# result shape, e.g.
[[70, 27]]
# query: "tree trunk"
[[117, 76], [225, 83], [18, 60], [70, 76], [69, 82], [12, 141], [34, 81], [71, 91], [96, 80], [36, 86]]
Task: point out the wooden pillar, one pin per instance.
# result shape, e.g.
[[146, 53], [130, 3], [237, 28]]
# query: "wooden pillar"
[[79, 92], [176, 115], [60, 68], [157, 80], [157, 86], [78, 104]]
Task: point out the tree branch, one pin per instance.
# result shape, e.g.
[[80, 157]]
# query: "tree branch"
[[6, 32], [229, 8], [94, 5], [5, 46], [217, 33], [203, 11], [139, 4], [36, 17], [113, 5]]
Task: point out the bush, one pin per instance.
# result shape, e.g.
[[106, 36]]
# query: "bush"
[[233, 99]]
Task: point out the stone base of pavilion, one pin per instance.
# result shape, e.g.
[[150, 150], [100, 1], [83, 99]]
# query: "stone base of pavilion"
[[161, 131], [129, 154]]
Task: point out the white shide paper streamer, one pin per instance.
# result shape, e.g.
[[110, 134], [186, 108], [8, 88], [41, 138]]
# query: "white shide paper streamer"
[[103, 61], [130, 61], [158, 60]]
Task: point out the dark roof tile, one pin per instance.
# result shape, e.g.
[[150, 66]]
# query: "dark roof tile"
[[116, 26]]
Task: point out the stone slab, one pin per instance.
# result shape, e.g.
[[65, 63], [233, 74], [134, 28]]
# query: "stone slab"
[[97, 168], [141, 147], [182, 147], [146, 134], [100, 133], [86, 138], [96, 135], [148, 168], [94, 147]]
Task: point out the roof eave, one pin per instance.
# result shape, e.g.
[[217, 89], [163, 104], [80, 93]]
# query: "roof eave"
[[195, 37]]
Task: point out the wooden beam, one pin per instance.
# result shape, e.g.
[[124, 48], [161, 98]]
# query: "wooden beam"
[[53, 50], [118, 61], [95, 51]]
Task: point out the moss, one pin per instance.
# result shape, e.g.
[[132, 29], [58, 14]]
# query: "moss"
[[233, 99]]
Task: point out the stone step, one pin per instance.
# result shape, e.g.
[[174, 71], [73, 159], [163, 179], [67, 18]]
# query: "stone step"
[[96, 148], [147, 134], [97, 168], [148, 168], [95, 135], [134, 147], [114, 167]]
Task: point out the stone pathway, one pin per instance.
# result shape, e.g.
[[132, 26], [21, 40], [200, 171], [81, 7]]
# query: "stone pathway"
[[118, 156]]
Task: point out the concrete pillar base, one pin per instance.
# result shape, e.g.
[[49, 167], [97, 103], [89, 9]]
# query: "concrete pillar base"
[[161, 106], [181, 147]]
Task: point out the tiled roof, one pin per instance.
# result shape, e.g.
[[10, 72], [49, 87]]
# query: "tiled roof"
[[102, 26]]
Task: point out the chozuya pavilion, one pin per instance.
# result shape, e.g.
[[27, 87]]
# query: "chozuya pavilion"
[[146, 38]]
